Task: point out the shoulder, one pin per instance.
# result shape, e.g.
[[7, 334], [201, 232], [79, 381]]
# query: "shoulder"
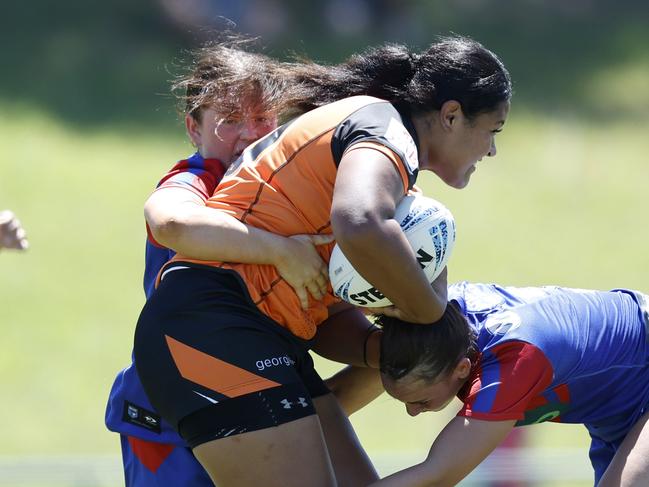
[[505, 379], [379, 122], [195, 173]]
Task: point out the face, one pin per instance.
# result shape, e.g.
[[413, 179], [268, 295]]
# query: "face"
[[221, 138], [460, 143], [420, 396]]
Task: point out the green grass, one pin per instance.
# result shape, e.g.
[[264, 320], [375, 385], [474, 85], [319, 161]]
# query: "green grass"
[[563, 203]]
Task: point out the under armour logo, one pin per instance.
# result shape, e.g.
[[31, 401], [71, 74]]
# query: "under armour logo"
[[289, 404]]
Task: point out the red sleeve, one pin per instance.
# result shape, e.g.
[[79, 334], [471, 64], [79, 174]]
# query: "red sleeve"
[[506, 380], [200, 176]]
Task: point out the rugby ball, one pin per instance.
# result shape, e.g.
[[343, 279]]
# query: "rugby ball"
[[430, 229]]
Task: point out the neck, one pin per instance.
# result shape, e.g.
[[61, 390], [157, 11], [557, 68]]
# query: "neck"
[[424, 124]]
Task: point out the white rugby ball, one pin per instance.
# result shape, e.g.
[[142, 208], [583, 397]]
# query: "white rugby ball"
[[430, 229]]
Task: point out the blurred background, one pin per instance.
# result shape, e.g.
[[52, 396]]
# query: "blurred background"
[[88, 126]]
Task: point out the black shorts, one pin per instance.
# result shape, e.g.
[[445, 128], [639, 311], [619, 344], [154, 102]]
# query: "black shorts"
[[213, 365]]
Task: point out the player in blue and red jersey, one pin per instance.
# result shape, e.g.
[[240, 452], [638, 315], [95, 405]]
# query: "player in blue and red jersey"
[[153, 453], [519, 356]]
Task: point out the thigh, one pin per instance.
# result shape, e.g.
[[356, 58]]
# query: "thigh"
[[630, 465], [151, 464], [292, 454], [351, 464]]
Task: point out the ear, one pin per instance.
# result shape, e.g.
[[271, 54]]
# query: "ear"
[[462, 369], [450, 113], [193, 129]]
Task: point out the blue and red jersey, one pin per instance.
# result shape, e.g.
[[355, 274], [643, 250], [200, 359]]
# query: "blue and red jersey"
[[557, 354], [198, 175], [129, 412]]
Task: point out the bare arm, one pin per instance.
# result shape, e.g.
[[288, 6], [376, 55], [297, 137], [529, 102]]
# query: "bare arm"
[[355, 387], [368, 188], [440, 286], [342, 338], [179, 219], [458, 449]]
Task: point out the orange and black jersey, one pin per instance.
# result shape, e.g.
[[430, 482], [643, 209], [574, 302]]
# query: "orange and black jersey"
[[284, 184]]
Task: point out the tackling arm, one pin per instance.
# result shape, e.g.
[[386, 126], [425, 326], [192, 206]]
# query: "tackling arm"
[[459, 448], [355, 387], [179, 219], [342, 338]]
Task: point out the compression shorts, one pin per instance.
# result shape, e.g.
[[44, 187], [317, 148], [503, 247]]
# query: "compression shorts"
[[213, 365]]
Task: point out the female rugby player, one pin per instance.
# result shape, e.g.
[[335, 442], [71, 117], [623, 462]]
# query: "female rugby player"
[[520, 356], [340, 168]]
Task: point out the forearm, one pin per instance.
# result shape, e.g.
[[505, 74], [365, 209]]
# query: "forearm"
[[380, 252], [206, 234], [458, 449], [179, 220], [414, 476], [342, 337], [355, 387]]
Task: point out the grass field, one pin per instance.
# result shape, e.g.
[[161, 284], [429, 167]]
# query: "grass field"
[[564, 202]]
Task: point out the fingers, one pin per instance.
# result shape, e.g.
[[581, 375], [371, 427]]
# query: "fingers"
[[322, 239], [20, 240], [391, 311], [304, 299], [12, 235], [319, 285], [315, 290], [306, 272], [386, 310], [6, 216], [322, 280]]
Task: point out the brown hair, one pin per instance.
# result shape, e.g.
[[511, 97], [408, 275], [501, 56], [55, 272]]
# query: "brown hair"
[[427, 351], [228, 75]]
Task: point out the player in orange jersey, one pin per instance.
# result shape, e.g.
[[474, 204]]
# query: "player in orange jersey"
[[222, 348]]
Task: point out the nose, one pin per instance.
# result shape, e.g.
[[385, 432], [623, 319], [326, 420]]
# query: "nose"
[[252, 130], [413, 409], [248, 131], [492, 151]]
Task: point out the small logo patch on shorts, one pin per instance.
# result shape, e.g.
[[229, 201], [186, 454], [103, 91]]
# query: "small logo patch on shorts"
[[286, 404], [139, 416]]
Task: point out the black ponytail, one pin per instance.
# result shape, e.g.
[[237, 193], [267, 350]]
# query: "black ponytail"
[[455, 68]]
